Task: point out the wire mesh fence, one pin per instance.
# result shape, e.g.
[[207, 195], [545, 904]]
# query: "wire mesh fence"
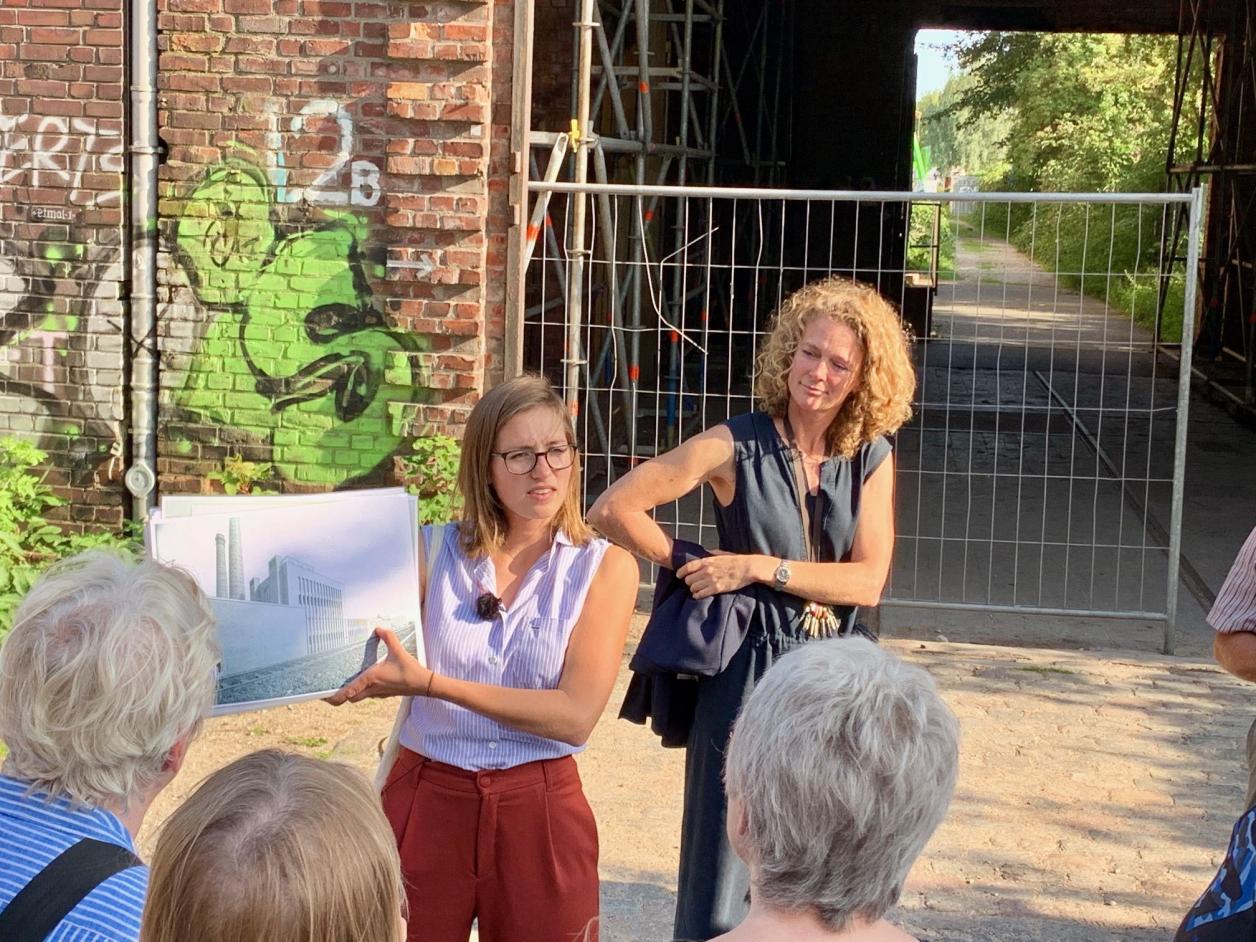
[[1042, 468]]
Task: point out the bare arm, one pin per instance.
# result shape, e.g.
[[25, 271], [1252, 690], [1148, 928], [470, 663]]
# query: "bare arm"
[[567, 713], [622, 513], [1236, 652], [856, 582]]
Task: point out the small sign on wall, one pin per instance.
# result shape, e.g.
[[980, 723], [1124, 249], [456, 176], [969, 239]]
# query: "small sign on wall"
[[51, 214]]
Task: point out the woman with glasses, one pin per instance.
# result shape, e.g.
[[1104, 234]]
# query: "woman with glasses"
[[524, 619]]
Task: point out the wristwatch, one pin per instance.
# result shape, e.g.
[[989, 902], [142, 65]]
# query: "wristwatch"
[[780, 578]]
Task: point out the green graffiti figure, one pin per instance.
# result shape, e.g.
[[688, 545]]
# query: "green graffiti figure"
[[297, 352]]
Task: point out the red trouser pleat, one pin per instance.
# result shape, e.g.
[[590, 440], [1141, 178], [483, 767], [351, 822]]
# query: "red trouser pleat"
[[515, 847]]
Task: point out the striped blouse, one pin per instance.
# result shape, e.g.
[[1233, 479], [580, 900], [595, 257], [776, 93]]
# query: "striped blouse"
[[522, 647], [34, 830], [1235, 608]]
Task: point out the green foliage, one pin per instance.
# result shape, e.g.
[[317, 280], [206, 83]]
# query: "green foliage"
[[1083, 113], [29, 542], [433, 470], [956, 142], [309, 742], [244, 477], [920, 245]]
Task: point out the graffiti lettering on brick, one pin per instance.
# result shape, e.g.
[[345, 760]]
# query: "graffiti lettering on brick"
[[55, 152], [328, 188], [60, 307], [61, 346]]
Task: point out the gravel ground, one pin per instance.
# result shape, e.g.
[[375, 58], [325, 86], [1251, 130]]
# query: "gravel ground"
[[1096, 794]]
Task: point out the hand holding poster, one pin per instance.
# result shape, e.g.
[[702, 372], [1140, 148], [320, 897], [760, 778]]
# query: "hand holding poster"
[[298, 585]]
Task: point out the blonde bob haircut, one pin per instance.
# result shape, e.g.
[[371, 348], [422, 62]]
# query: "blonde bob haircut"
[[276, 847], [881, 402], [484, 522], [109, 664]]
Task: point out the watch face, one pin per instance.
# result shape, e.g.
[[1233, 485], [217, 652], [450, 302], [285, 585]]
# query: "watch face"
[[782, 573]]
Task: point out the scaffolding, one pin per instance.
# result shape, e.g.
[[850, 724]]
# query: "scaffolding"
[[664, 92], [1213, 141]]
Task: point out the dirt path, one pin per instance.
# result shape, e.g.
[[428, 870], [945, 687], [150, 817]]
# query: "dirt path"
[[1096, 795]]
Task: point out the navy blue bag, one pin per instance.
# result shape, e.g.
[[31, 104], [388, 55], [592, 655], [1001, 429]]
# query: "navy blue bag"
[[692, 636]]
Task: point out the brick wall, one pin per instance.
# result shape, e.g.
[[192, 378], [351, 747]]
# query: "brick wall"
[[334, 219], [61, 261]]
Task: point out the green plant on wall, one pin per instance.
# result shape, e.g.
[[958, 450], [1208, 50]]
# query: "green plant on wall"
[[297, 353], [433, 470], [244, 477], [29, 542]]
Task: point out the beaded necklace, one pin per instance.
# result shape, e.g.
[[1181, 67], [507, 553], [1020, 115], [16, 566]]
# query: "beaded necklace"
[[818, 620]]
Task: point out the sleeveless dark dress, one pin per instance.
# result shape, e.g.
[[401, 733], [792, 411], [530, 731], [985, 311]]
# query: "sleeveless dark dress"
[[763, 518]]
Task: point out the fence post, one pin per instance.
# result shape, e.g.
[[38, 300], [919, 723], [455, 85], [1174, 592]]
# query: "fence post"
[[1183, 406]]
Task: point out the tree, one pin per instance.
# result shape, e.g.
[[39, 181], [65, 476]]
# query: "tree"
[[1084, 112], [975, 147]]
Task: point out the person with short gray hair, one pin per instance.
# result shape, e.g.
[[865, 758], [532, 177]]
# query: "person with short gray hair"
[[104, 680], [840, 768]]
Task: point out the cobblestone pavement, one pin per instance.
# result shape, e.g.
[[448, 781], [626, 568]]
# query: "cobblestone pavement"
[[1096, 794]]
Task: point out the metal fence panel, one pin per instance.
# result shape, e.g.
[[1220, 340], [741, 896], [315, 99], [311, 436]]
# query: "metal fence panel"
[[1042, 469]]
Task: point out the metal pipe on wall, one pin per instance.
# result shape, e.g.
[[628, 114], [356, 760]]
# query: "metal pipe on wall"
[[141, 475]]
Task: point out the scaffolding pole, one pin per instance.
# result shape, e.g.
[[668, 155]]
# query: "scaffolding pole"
[[1213, 143], [653, 91]]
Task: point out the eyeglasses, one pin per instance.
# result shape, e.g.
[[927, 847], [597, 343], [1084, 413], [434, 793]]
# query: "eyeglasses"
[[523, 460]]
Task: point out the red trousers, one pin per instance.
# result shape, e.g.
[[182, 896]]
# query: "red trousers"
[[516, 848]]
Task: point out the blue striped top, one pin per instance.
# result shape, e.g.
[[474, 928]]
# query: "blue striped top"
[[35, 831], [522, 647]]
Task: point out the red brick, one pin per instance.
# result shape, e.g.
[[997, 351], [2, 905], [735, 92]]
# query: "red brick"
[[37, 17], [39, 51], [196, 42], [327, 8], [263, 64], [246, 83], [324, 47], [261, 24], [188, 81], [103, 37], [173, 22], [468, 31], [258, 45], [42, 88], [178, 62], [104, 109], [194, 6], [60, 107]]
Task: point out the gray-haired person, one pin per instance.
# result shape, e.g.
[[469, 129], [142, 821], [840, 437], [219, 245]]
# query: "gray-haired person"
[[104, 680], [840, 768]]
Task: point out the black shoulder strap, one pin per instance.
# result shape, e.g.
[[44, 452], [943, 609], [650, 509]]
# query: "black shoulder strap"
[[41, 905]]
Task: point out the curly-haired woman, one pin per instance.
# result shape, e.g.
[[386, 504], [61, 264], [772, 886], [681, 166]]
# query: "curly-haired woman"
[[803, 505]]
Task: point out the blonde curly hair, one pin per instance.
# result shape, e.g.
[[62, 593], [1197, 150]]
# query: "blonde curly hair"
[[881, 403]]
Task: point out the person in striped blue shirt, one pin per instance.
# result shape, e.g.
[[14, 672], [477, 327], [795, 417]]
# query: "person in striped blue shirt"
[[525, 614], [104, 680]]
